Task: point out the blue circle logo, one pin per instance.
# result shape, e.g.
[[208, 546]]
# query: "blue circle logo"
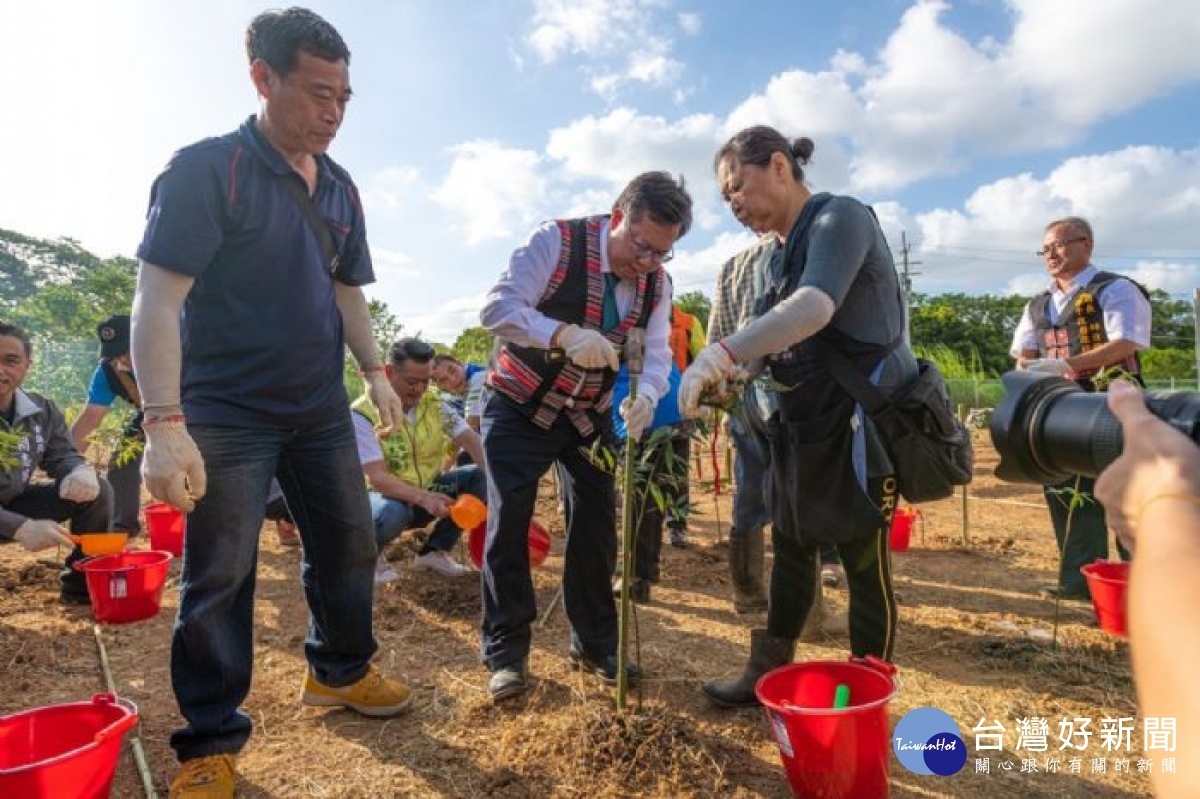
[[927, 741]]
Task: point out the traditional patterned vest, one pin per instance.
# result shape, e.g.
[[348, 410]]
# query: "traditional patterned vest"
[[543, 383], [1080, 327], [413, 452]]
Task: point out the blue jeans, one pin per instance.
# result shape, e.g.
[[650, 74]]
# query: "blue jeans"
[[750, 465], [392, 517], [212, 647]]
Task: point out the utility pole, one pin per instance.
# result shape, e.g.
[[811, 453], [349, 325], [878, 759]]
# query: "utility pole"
[[906, 276], [1196, 323]]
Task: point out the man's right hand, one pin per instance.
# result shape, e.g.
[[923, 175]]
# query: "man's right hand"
[[588, 348], [37, 534], [172, 467], [437, 505]]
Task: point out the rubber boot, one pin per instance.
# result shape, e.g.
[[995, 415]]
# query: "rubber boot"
[[746, 570], [767, 652]]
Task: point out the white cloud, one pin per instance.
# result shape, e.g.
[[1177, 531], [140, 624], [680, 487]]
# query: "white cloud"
[[394, 264], [992, 240], [696, 270], [623, 143], [1174, 278], [931, 102], [612, 40], [444, 323], [493, 188], [391, 188]]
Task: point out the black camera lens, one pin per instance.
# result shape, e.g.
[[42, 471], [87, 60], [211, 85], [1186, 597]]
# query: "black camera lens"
[[1048, 429]]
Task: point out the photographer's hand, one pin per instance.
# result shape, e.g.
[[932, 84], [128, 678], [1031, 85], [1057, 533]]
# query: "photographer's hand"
[[1158, 466], [1152, 492]]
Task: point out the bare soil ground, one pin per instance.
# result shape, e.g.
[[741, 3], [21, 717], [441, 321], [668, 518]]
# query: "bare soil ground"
[[973, 641]]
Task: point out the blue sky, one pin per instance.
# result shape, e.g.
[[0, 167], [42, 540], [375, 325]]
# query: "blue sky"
[[967, 124]]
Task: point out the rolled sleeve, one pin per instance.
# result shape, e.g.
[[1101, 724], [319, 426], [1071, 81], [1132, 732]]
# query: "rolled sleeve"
[[510, 310]]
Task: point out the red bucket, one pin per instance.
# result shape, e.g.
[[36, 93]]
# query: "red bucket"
[[539, 544], [167, 526], [1106, 583], [902, 525], [64, 750], [127, 586], [827, 752]]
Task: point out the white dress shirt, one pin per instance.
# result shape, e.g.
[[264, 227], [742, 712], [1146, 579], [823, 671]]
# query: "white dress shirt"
[[1126, 312], [510, 311]]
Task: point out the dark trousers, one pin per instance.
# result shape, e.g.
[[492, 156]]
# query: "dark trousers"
[[126, 481], [41, 501], [654, 471], [1088, 538], [518, 453], [868, 576], [676, 494], [751, 465]]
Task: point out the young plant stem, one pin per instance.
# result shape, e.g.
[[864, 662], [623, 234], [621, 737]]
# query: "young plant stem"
[[627, 530], [1076, 501]]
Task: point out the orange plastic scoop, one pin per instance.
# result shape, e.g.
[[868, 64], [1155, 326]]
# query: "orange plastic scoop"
[[101, 543], [468, 512]]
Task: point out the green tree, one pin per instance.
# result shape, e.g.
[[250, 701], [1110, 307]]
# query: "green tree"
[[386, 326], [1164, 363], [977, 328], [473, 345], [1174, 323], [695, 303], [70, 310]]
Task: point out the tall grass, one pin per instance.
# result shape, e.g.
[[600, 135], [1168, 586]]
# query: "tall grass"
[[966, 378]]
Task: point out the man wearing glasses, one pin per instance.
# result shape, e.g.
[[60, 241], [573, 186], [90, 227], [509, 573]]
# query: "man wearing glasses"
[[564, 307], [1088, 327]]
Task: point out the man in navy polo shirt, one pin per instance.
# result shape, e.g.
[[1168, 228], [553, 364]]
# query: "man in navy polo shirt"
[[239, 324]]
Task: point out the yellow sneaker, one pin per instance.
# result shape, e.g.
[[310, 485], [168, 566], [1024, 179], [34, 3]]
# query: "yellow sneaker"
[[210, 777], [373, 695]]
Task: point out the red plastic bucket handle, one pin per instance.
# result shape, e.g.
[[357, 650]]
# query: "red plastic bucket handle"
[[884, 667], [117, 728], [121, 725]]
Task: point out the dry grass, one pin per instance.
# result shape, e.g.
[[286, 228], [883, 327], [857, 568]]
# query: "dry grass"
[[972, 641]]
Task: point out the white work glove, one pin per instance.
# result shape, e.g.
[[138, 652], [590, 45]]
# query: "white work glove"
[[711, 366], [172, 467], [637, 414], [80, 485], [387, 404], [37, 534], [588, 348], [1048, 366]]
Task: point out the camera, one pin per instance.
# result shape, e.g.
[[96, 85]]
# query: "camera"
[[1048, 429]]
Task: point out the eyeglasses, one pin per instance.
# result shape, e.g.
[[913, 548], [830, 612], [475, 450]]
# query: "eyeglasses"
[[644, 253], [1058, 246]]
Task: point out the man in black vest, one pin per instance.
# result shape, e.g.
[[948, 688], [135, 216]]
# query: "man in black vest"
[[563, 307], [1087, 322]]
